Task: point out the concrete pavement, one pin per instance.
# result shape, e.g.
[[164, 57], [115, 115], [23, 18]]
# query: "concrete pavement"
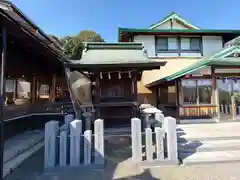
[[20, 147]]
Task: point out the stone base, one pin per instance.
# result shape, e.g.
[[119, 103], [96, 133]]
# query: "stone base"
[[62, 169], [157, 163]]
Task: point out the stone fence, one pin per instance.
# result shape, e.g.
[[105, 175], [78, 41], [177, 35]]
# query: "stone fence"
[[159, 140], [69, 146]]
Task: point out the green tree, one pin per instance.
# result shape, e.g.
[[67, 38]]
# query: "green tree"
[[73, 46]]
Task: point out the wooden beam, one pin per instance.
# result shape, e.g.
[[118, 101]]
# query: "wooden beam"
[[53, 88], [33, 89], [215, 95]]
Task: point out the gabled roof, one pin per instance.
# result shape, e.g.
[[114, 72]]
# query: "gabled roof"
[[174, 16], [125, 33], [233, 42], [220, 59], [100, 55]]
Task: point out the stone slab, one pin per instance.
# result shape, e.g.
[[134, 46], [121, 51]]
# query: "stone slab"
[[15, 162], [212, 145], [157, 163], [212, 157], [58, 169], [209, 131], [20, 143]]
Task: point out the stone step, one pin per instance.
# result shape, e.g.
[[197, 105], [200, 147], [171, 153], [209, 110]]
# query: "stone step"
[[204, 146], [213, 138], [212, 157]]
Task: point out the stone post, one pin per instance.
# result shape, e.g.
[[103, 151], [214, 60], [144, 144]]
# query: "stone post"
[[171, 138], [87, 147], [136, 139], [88, 120], [68, 118], [148, 144], [63, 149], [75, 142], [159, 117], [50, 147], [98, 142], [159, 132]]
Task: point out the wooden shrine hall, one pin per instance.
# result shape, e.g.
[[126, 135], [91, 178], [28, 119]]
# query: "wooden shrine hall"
[[31, 57], [114, 69]]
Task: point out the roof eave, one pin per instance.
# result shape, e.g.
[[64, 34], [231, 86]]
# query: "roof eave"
[[99, 67], [124, 31], [14, 9]]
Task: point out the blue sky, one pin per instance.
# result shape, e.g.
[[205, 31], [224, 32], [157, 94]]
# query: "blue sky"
[[69, 17]]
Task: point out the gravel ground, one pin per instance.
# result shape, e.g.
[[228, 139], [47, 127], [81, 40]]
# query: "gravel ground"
[[119, 167]]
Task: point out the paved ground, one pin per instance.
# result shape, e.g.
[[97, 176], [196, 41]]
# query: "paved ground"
[[118, 167]]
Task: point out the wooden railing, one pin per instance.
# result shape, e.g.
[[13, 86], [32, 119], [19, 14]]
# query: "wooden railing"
[[198, 111]]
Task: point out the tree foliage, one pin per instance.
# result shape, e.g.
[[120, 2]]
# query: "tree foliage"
[[73, 46]]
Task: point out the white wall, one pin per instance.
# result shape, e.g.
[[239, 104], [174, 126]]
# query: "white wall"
[[23, 89], [167, 25], [176, 25], [211, 44], [9, 87], [149, 43]]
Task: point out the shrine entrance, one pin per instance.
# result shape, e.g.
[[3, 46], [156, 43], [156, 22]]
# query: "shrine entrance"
[[114, 69], [229, 98]]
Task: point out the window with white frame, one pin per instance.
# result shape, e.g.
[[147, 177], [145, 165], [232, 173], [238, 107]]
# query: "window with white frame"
[[162, 44], [178, 44], [166, 44], [190, 44]]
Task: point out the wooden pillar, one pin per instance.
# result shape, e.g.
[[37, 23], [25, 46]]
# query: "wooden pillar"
[[33, 89], [97, 93], [2, 94], [134, 88], [180, 98], [15, 89], [234, 110], [215, 97], [37, 88], [97, 86], [53, 88], [177, 98]]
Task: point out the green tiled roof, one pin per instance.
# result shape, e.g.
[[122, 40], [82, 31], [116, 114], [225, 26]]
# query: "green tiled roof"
[[114, 53], [219, 58], [103, 55]]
